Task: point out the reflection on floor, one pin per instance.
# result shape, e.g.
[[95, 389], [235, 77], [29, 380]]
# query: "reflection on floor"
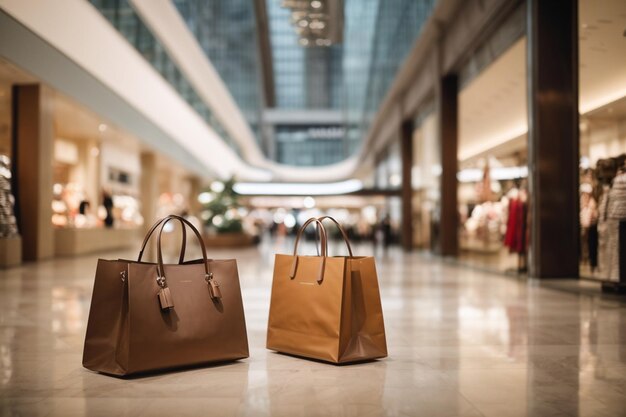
[[461, 343], [501, 260]]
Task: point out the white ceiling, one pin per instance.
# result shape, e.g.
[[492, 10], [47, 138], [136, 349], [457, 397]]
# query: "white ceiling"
[[493, 106], [71, 120]]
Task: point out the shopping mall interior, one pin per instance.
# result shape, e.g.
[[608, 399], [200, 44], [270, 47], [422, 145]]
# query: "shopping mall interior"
[[473, 151]]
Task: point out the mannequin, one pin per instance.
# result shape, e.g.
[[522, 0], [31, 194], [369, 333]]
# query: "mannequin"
[[615, 212], [588, 225]]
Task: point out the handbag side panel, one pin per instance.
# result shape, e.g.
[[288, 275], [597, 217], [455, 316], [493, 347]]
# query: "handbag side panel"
[[197, 329], [362, 326], [106, 319], [305, 316]]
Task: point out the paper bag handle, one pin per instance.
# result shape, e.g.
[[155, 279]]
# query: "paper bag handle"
[[341, 230], [322, 231]]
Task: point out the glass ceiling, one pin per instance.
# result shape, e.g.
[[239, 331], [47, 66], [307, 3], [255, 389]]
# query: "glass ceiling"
[[351, 77], [304, 78], [226, 31], [128, 23]]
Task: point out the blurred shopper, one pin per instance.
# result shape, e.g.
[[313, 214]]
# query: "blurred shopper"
[[385, 231], [107, 202]]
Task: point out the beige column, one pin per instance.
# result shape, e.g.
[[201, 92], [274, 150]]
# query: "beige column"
[[149, 194], [149, 185], [33, 137], [194, 205]]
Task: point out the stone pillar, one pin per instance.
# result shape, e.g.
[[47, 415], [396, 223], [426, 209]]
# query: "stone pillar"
[[553, 137], [448, 108], [196, 188], [149, 188], [33, 139], [406, 144]]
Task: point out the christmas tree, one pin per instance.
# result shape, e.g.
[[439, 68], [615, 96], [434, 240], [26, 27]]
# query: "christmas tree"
[[220, 211]]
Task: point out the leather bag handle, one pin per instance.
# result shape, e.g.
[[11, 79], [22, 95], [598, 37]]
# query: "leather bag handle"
[[341, 230], [181, 258], [161, 271], [322, 232]]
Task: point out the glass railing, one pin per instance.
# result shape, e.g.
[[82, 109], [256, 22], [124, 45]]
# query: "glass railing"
[[128, 23]]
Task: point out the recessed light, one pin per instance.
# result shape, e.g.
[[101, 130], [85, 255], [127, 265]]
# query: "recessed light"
[[303, 23], [102, 127], [316, 4]]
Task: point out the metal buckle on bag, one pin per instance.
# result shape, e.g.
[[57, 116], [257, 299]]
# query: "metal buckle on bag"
[[161, 281], [214, 286], [164, 295]]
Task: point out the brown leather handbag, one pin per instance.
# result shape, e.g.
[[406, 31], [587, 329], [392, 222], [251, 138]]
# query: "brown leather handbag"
[[148, 316], [326, 308]]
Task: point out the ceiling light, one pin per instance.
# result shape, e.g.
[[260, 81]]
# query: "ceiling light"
[[316, 4], [317, 24], [102, 127], [205, 198], [497, 174], [217, 186], [303, 23], [303, 42], [308, 202], [306, 189], [395, 180]]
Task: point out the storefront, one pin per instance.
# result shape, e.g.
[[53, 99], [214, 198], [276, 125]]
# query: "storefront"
[[99, 186], [603, 192], [388, 178], [425, 177], [95, 176], [492, 174], [602, 143], [10, 240]]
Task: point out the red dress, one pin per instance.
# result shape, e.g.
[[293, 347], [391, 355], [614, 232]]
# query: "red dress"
[[515, 236]]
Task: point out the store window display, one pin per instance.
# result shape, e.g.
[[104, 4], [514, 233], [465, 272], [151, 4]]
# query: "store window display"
[[602, 210], [588, 226], [614, 215], [516, 237], [493, 211], [8, 223], [10, 239]]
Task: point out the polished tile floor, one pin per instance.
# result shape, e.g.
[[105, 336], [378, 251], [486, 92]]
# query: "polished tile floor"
[[461, 343]]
